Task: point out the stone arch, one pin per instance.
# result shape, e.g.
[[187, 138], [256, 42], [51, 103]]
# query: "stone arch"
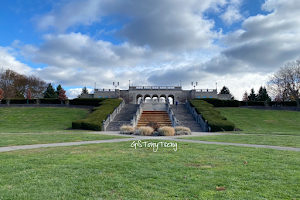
[[162, 98], [155, 98], [139, 98], [171, 98], [147, 97]]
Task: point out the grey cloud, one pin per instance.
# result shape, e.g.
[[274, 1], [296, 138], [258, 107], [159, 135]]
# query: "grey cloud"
[[168, 25], [264, 44], [173, 76]]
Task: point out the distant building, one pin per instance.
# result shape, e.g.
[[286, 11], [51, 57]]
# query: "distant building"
[[136, 94]]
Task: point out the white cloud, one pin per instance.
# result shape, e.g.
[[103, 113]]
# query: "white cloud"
[[74, 92], [232, 13], [8, 61]]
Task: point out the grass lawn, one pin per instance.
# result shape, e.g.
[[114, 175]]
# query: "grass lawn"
[[33, 138], [264, 121], [33, 120], [275, 140], [117, 171]]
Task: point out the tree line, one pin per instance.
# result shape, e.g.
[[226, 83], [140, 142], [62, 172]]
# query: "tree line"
[[262, 95], [17, 86]]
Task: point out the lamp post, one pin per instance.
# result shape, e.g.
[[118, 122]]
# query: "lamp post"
[[196, 83], [116, 85]]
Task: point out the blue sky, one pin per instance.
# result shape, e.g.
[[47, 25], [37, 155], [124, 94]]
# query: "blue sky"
[[236, 43]]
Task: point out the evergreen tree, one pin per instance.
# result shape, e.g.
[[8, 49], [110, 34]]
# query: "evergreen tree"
[[58, 89], [225, 90], [50, 92], [84, 91], [263, 94], [252, 96]]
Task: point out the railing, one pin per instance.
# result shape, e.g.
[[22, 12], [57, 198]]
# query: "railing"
[[171, 115], [137, 116], [155, 88], [206, 90], [112, 116], [198, 117], [105, 90]]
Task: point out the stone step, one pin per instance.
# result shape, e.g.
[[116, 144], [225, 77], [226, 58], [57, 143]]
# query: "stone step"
[[184, 118], [123, 118], [161, 117]]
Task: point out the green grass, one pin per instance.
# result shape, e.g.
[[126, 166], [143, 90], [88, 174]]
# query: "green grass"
[[117, 171], [275, 140], [255, 121], [34, 138], [94, 120], [33, 120]]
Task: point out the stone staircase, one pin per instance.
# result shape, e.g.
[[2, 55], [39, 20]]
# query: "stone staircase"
[[124, 117], [184, 118], [161, 117]]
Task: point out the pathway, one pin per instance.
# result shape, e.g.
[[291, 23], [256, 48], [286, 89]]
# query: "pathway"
[[143, 138]]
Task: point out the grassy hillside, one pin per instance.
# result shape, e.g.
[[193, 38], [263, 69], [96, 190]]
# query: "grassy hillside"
[[32, 120], [264, 121]]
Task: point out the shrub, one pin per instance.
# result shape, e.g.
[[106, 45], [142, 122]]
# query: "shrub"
[[146, 130], [94, 120], [214, 102], [166, 131], [154, 125], [215, 120], [181, 130], [87, 101], [232, 103], [127, 129], [221, 103], [16, 101], [77, 124], [49, 101]]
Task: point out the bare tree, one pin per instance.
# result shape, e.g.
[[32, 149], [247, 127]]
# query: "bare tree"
[[1, 94], [245, 97], [15, 85], [285, 83]]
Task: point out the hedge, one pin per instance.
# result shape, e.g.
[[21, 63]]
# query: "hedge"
[[87, 101], [221, 103], [77, 101], [215, 120], [18, 101], [270, 103], [94, 120]]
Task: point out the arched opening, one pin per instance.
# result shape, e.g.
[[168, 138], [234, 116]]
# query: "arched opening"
[[147, 98], [139, 98], [162, 98], [204, 97], [171, 99], [100, 97], [155, 98]]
